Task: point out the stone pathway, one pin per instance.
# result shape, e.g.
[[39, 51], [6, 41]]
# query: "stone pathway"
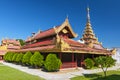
[[63, 74]]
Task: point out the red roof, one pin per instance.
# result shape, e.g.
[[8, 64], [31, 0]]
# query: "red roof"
[[74, 43], [42, 43], [98, 46], [13, 47], [82, 47], [2, 52], [87, 49], [35, 48], [10, 41], [45, 34]]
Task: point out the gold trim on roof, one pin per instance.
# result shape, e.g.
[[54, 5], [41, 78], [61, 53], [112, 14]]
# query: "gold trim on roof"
[[67, 24]]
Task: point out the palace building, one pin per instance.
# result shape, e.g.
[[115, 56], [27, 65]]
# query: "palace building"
[[7, 45], [59, 40]]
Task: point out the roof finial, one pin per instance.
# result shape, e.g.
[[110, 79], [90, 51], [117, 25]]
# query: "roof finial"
[[67, 16], [88, 14], [66, 20]]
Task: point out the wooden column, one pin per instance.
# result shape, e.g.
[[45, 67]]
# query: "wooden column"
[[74, 63], [93, 56], [60, 55], [72, 57], [82, 60]]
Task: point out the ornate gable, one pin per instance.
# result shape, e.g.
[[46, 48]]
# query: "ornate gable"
[[66, 28]]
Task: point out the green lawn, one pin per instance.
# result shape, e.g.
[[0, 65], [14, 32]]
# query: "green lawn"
[[8, 73], [111, 75]]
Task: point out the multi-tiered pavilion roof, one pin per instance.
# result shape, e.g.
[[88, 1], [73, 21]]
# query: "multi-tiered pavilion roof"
[[60, 39]]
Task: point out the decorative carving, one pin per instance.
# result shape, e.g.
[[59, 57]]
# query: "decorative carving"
[[114, 51], [67, 24], [64, 31], [63, 44]]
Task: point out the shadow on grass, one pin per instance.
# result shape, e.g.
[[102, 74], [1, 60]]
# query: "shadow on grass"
[[100, 77], [110, 77], [92, 76]]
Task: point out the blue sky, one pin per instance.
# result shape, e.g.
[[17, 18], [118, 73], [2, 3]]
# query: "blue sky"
[[19, 18]]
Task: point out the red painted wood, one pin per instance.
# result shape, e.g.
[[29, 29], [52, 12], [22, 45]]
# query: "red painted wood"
[[72, 57], [69, 65]]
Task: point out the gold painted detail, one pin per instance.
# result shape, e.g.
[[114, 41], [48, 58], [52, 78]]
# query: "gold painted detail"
[[60, 43], [64, 31], [90, 45], [3, 47], [66, 24], [63, 44], [114, 51]]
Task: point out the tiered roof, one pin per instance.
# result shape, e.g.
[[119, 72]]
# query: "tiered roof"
[[58, 43], [10, 41], [8, 45], [89, 37]]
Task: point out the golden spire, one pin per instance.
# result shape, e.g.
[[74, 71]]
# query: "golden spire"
[[88, 35]]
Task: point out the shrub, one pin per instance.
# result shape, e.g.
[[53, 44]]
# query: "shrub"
[[19, 57], [14, 57], [26, 58], [5, 56], [10, 56], [89, 63], [52, 63], [36, 59]]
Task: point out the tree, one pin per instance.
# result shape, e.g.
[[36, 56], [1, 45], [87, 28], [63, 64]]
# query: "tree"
[[26, 58], [36, 59], [52, 63], [89, 63], [22, 42], [104, 62]]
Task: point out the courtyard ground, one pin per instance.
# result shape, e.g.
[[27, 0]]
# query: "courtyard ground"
[[63, 74]]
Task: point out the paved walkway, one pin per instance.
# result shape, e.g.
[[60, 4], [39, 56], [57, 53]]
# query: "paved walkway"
[[63, 74]]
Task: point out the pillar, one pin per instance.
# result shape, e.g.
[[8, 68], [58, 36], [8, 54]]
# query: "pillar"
[[60, 55], [72, 57], [93, 56], [82, 59]]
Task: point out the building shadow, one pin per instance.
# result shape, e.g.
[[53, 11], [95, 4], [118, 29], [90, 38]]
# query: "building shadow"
[[100, 77], [110, 77], [92, 76]]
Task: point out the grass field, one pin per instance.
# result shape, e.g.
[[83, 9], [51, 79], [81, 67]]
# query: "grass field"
[[111, 75], [8, 73]]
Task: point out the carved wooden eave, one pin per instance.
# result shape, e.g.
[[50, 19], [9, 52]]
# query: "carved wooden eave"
[[87, 52], [67, 24], [60, 44], [113, 51]]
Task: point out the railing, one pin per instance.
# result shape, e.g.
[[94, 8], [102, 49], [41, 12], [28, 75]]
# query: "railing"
[[69, 64]]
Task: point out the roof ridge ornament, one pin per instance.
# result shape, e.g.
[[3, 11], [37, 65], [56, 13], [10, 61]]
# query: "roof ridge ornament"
[[88, 14], [67, 20]]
